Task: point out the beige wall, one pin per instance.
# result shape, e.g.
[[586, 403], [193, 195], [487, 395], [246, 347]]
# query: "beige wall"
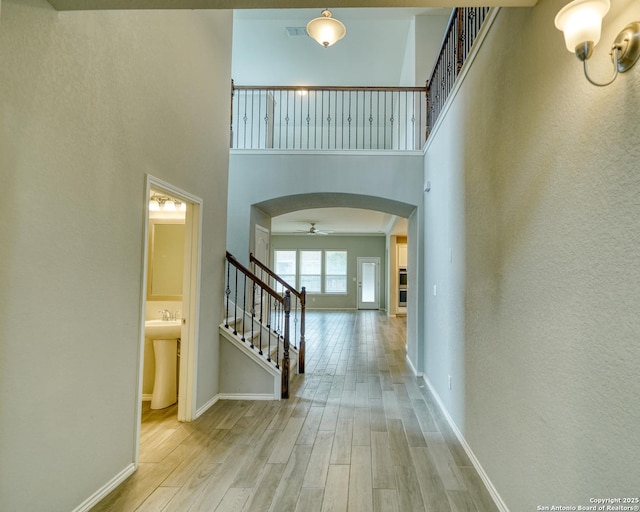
[[535, 188], [89, 103]]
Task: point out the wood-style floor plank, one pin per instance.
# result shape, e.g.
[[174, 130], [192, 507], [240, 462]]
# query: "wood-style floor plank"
[[359, 433], [385, 500], [360, 481], [336, 492]]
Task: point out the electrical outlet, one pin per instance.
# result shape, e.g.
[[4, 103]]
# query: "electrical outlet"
[[449, 382], [435, 290]]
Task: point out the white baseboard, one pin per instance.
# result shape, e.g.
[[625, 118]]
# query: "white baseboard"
[[502, 507], [147, 397], [240, 396], [207, 406], [415, 372], [106, 489]]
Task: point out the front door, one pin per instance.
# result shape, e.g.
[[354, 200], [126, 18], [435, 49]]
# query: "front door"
[[368, 283]]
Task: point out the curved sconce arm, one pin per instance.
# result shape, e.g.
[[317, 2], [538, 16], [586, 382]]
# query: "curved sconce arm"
[[616, 50]]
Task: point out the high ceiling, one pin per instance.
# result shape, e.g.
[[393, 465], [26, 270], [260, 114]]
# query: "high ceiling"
[[86, 5]]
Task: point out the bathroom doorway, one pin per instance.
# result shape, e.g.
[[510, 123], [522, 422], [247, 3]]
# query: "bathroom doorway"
[[169, 299]]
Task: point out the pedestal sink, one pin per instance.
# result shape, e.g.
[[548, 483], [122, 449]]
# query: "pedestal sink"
[[162, 329], [165, 336]]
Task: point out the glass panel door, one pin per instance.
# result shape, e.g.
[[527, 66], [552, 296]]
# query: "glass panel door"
[[368, 283]]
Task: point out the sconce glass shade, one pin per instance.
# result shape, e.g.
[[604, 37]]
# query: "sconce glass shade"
[[154, 206], [581, 22], [325, 29]]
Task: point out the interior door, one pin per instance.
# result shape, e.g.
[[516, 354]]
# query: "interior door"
[[368, 283], [261, 250]]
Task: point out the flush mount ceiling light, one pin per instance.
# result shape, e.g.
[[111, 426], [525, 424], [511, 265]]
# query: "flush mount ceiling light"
[[325, 29], [581, 23]]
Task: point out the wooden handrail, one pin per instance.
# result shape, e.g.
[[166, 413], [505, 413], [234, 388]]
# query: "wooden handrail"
[[253, 259], [325, 88], [232, 259]]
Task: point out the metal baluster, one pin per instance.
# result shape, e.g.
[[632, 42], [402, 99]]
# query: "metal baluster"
[[235, 305], [268, 328], [288, 119], [370, 118], [335, 141], [253, 120], [253, 309], [309, 117], [261, 318], [342, 124], [279, 118], [329, 121], [322, 120], [391, 119], [377, 120], [349, 119], [315, 121], [357, 99], [244, 306], [227, 292], [245, 118], [278, 348]]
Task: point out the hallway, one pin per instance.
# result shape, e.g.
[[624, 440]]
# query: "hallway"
[[360, 433]]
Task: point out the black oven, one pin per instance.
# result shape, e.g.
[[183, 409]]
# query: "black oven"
[[402, 277], [402, 298]]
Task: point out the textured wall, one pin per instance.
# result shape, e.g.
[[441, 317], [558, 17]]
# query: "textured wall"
[[89, 103], [536, 189]]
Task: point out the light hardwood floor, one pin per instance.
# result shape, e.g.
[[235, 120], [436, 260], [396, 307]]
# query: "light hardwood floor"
[[359, 434]]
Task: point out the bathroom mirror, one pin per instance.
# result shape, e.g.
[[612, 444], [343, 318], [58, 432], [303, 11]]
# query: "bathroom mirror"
[[166, 260]]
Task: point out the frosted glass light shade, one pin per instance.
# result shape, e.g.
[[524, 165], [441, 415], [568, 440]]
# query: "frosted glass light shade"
[[581, 22], [325, 29]]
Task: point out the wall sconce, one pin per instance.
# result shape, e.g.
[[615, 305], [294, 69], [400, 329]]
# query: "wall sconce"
[[325, 29], [581, 22]]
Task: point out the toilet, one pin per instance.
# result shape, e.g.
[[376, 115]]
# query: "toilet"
[[165, 388]]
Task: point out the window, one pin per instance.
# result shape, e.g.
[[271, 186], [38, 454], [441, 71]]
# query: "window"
[[335, 278], [311, 271], [318, 271], [285, 267]]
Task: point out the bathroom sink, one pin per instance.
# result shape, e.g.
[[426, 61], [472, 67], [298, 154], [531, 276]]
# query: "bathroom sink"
[[162, 329]]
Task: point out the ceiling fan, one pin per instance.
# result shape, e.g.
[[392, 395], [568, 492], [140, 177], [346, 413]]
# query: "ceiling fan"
[[313, 230]]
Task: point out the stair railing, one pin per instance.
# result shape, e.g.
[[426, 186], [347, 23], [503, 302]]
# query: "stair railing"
[[463, 29], [300, 298], [267, 308]]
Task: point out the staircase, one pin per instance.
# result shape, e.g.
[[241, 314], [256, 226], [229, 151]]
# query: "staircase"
[[257, 322]]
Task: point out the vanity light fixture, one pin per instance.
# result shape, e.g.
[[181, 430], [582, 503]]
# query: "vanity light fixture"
[[325, 29], [581, 23], [165, 203]]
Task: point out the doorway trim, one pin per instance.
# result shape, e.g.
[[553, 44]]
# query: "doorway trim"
[[190, 301], [360, 261]]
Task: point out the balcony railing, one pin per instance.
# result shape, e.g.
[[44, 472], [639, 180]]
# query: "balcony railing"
[[334, 118], [347, 118], [464, 26]]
